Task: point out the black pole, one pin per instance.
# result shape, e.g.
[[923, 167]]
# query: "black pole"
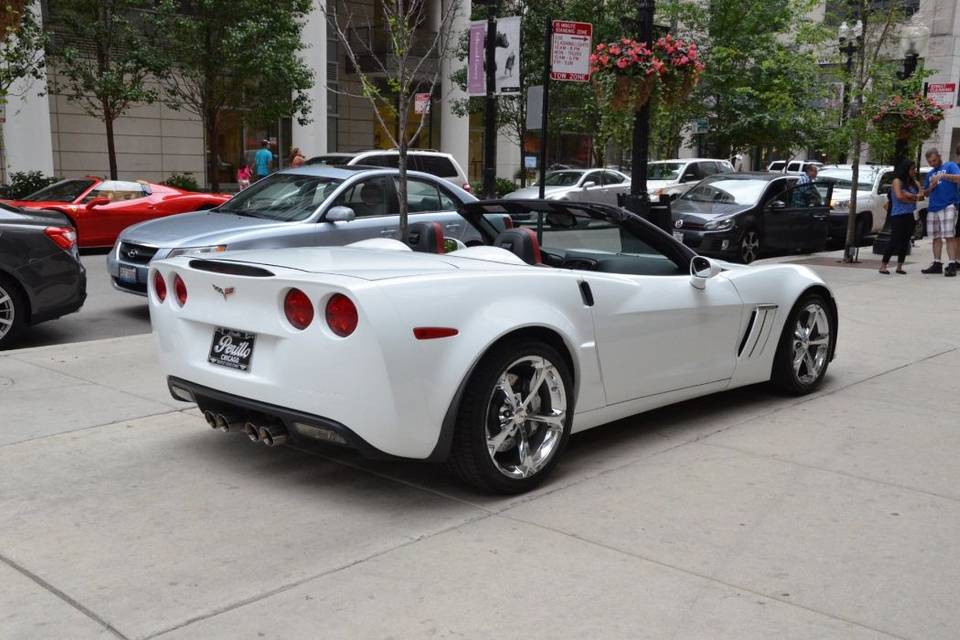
[[545, 107], [848, 49], [641, 122], [490, 107]]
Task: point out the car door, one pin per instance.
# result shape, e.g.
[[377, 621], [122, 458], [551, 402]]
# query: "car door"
[[374, 202], [803, 218], [127, 203], [775, 215], [590, 188], [427, 202], [655, 331], [614, 184]]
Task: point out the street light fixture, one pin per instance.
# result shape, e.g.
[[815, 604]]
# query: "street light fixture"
[[850, 39]]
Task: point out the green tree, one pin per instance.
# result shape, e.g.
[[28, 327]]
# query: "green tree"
[[104, 59], [235, 55], [408, 62]]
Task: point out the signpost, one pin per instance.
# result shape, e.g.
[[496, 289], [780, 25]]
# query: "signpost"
[[421, 103], [942, 93], [566, 57]]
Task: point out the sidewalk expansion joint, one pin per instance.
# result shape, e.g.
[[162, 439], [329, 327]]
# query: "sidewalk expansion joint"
[[93, 426], [704, 576], [62, 596]]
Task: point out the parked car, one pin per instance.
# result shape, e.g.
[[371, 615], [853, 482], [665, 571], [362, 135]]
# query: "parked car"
[[873, 184], [41, 277], [579, 185], [100, 209], [303, 207], [442, 165], [739, 216], [792, 167], [487, 357], [674, 177]]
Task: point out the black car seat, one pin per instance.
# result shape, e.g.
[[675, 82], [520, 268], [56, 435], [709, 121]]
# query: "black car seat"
[[425, 236], [522, 242]]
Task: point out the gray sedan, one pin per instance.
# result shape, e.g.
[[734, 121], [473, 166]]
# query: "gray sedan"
[[579, 185], [304, 207]]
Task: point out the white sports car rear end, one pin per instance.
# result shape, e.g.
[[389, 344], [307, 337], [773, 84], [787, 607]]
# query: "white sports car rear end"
[[483, 357]]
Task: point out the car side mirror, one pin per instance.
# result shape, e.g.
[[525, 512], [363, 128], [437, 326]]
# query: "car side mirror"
[[778, 204], [588, 184], [98, 201], [701, 270], [340, 213]]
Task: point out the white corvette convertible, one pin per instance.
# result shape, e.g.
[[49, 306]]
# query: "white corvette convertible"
[[486, 357]]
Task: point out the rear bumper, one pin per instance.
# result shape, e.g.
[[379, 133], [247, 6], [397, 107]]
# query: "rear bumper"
[[293, 421], [56, 285]]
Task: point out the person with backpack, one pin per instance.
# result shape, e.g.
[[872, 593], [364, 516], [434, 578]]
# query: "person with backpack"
[[905, 192]]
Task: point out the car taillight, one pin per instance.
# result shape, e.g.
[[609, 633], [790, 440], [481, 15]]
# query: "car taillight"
[[341, 315], [180, 289], [64, 237], [159, 286], [298, 308], [467, 187]]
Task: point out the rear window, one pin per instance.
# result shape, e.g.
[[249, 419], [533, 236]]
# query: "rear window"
[[438, 166], [777, 166], [330, 160], [391, 160]]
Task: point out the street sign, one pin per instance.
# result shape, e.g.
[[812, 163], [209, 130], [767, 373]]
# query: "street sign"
[[942, 93], [421, 103], [570, 54]]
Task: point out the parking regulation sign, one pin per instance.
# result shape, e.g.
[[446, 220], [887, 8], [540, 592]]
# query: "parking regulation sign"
[[570, 53], [942, 93]]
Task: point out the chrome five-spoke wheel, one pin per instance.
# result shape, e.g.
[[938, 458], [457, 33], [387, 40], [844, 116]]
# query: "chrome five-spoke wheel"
[[811, 343], [12, 315], [514, 418], [526, 417], [749, 246], [806, 345]]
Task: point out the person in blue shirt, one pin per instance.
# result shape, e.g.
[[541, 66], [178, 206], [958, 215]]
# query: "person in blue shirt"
[[262, 160], [941, 187], [905, 193]]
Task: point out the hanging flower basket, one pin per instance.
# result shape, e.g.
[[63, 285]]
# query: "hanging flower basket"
[[624, 75], [679, 69], [910, 119]]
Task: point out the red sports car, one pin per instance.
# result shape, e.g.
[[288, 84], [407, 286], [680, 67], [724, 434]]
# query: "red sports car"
[[101, 209]]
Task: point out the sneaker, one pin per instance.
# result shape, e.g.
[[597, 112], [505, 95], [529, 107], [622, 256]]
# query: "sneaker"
[[951, 270], [936, 267]]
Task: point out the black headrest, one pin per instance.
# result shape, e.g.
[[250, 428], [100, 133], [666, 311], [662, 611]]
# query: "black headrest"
[[522, 242], [425, 236]]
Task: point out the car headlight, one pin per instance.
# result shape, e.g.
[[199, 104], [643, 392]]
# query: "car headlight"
[[841, 204], [217, 248], [719, 225]]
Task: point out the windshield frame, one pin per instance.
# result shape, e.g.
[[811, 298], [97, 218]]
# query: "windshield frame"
[[261, 185], [92, 183]]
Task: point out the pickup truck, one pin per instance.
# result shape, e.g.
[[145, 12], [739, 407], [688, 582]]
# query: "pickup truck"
[[873, 185]]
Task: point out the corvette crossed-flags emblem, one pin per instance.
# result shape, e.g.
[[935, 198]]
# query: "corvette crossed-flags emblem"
[[228, 291]]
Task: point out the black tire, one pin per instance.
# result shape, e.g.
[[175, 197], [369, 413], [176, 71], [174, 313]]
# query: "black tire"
[[748, 245], [13, 308], [784, 375], [469, 456]]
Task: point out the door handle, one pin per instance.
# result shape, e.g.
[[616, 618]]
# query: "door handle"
[[386, 232]]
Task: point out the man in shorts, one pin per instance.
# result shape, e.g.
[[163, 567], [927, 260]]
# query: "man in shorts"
[[941, 187]]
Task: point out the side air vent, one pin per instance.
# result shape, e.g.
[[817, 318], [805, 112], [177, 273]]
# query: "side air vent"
[[758, 331], [230, 268]]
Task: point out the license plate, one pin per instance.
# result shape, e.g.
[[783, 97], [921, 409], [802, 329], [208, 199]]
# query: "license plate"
[[128, 274], [231, 349], [678, 236]]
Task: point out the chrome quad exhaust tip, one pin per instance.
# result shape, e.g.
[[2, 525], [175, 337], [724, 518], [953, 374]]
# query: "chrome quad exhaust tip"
[[273, 435]]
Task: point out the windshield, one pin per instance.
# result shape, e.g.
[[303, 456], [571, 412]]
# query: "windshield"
[[844, 179], [664, 170], [284, 197], [726, 191], [63, 191], [562, 178]]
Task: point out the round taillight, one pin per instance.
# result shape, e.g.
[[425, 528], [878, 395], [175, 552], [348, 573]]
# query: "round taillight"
[[180, 289], [298, 308], [159, 286], [341, 315]]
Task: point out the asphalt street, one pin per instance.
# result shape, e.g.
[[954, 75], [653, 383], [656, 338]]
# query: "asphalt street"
[[107, 313], [743, 515]]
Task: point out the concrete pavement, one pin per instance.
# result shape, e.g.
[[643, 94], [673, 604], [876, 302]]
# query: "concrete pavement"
[[742, 515]]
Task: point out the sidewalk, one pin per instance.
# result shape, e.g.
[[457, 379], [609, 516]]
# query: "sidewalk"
[[742, 515]]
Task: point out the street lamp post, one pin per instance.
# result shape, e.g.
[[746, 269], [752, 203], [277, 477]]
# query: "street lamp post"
[[638, 200], [849, 40], [913, 39]]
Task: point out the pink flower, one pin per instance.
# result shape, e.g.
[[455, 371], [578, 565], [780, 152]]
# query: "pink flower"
[[615, 50], [622, 63], [604, 60], [593, 58]]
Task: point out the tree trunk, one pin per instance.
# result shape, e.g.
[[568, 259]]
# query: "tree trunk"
[[851, 239], [402, 166], [211, 123], [111, 143]]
